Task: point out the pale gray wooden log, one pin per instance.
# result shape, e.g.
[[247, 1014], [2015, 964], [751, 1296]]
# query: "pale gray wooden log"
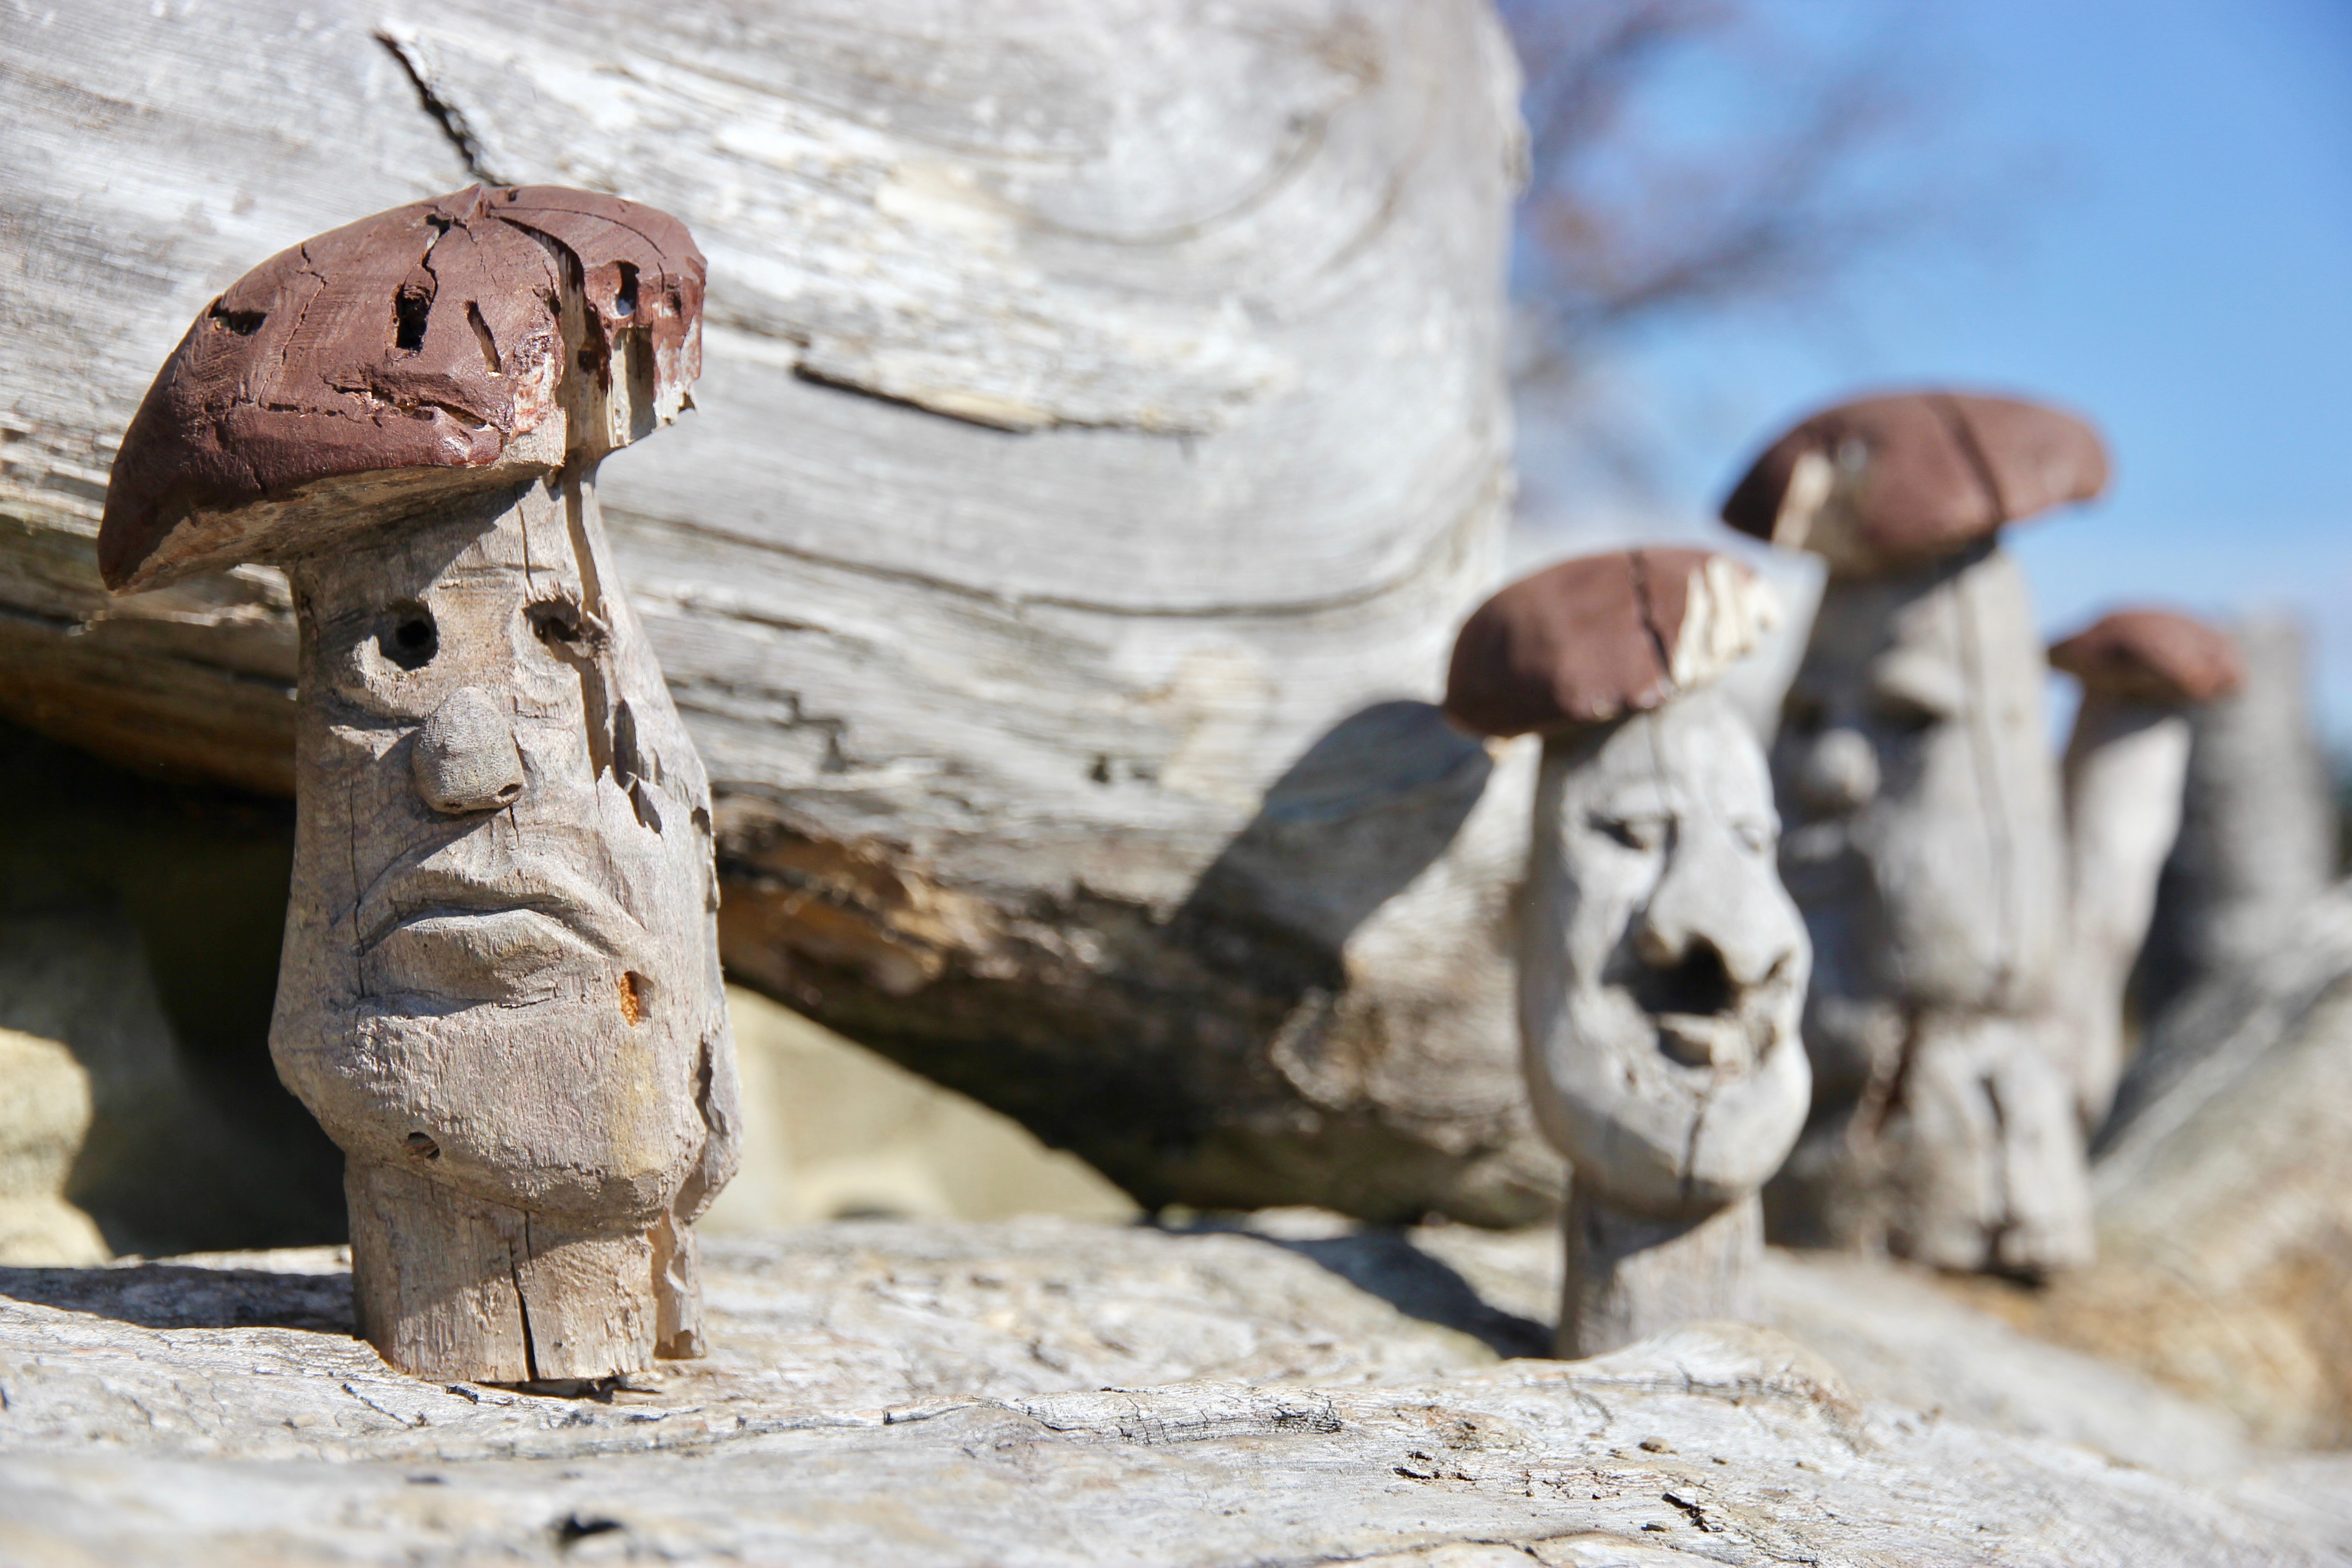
[[894, 1393], [1102, 406], [2125, 766], [1924, 844]]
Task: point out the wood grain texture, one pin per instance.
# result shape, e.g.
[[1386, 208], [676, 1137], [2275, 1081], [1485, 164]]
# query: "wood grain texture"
[[1630, 1276], [1102, 423], [2222, 1192], [1055, 1393]]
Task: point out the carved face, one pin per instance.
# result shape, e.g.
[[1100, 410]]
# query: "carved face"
[[1661, 966], [1922, 806], [500, 969]]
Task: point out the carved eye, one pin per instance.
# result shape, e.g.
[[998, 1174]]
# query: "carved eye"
[[1905, 716], [409, 637], [556, 621], [1647, 833], [1756, 834]]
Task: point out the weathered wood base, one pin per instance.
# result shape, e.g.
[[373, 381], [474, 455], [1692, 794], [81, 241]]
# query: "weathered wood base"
[[1630, 1277], [449, 1287]]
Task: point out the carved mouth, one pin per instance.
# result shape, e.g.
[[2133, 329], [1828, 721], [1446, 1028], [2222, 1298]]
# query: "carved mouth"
[[447, 898], [1705, 1018], [1714, 1041], [1697, 985]]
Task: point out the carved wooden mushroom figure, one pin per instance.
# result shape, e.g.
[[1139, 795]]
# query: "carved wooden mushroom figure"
[[1923, 834], [1661, 965], [2126, 765], [500, 990]]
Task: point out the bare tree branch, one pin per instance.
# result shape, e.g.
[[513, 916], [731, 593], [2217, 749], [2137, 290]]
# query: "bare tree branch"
[[1627, 220]]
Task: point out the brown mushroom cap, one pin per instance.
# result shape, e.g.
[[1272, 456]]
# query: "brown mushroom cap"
[[1917, 476], [2153, 655], [477, 339], [1596, 639]]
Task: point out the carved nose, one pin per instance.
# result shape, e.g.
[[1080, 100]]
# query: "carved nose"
[[465, 757], [1716, 926], [1841, 771]]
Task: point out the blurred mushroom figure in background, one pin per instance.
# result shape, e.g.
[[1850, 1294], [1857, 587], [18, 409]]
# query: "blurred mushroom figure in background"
[[1661, 965], [1924, 835], [2257, 849], [2127, 762], [500, 991]]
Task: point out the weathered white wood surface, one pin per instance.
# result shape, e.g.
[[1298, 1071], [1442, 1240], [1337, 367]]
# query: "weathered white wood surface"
[[883, 1393], [1102, 420]]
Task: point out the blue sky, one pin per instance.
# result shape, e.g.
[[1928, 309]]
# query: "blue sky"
[[2167, 246]]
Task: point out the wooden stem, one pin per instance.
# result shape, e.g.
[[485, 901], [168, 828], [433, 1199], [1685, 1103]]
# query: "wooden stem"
[[453, 1288], [2125, 765], [1630, 1276]]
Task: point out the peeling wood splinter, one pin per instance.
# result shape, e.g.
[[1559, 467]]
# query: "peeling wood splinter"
[[1662, 967], [500, 990]]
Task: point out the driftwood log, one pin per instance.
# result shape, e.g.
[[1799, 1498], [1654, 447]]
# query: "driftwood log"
[[1924, 838], [499, 991], [1102, 432], [1661, 965], [1048, 1392], [2225, 1229]]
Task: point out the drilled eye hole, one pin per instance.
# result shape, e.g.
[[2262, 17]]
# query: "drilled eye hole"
[[409, 638], [555, 622], [421, 1146], [1907, 718], [1645, 833]]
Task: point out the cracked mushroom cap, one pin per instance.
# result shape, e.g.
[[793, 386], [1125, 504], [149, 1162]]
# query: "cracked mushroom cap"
[[2152, 655], [1596, 639], [460, 344], [1887, 484]]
